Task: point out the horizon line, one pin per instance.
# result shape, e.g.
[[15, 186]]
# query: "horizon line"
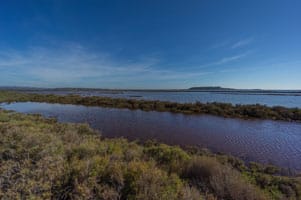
[[192, 88]]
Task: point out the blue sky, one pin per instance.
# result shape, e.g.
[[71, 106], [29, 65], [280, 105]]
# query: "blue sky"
[[151, 44]]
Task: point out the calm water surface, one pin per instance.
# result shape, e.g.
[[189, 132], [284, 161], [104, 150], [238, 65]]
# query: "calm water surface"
[[267, 98], [265, 141]]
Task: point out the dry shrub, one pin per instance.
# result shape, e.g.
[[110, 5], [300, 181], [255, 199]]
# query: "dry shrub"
[[191, 193], [146, 182], [225, 182]]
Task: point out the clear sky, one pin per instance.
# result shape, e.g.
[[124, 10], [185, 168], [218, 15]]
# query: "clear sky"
[[151, 43]]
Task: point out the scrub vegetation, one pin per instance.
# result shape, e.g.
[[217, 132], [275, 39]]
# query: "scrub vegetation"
[[219, 109], [43, 159]]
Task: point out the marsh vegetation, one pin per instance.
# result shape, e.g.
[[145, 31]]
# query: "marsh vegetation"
[[43, 159], [256, 111]]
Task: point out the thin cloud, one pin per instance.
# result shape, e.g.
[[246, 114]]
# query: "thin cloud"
[[76, 65], [229, 59], [232, 45], [224, 60], [242, 43]]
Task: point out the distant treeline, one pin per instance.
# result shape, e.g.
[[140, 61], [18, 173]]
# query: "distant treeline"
[[256, 111]]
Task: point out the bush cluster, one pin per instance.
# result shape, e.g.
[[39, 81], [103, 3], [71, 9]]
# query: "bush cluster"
[[43, 159]]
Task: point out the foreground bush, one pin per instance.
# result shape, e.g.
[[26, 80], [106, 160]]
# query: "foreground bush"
[[220, 179], [43, 159]]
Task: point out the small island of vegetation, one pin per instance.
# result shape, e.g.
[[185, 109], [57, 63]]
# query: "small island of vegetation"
[[256, 111], [210, 88]]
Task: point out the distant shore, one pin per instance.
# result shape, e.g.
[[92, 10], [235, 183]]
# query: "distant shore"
[[192, 89]]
